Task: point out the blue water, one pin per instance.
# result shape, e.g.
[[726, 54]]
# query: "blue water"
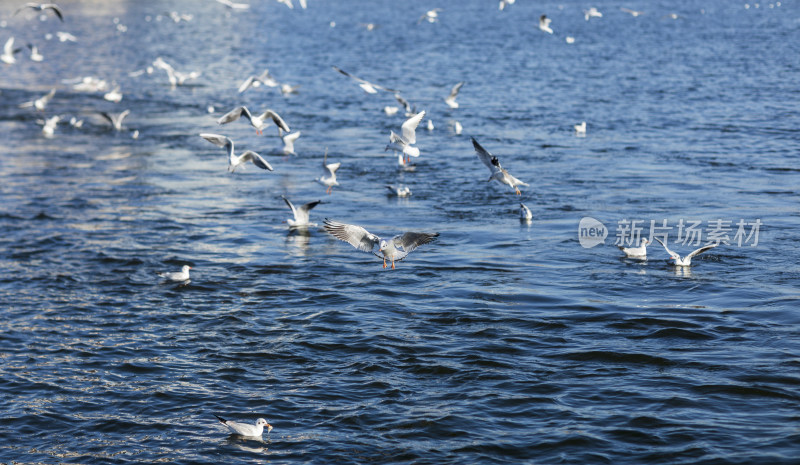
[[501, 342]]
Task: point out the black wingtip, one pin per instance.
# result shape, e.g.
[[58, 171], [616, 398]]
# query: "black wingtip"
[[221, 420]]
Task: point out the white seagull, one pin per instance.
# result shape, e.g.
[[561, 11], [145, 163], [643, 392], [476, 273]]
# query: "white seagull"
[[41, 102], [504, 3], [544, 24], [399, 190], [395, 249], [636, 252], [580, 129], [498, 173], [328, 178], [115, 119], [175, 77], [300, 214], [178, 276], [235, 161], [408, 137], [430, 16], [49, 125], [592, 13], [35, 55], [42, 7], [244, 429], [367, 86], [9, 51], [114, 95], [255, 81], [687, 261], [450, 100], [525, 213], [255, 121], [288, 142], [234, 6], [633, 13]]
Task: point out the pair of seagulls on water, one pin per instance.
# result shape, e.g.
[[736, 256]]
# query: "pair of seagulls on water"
[[640, 252]]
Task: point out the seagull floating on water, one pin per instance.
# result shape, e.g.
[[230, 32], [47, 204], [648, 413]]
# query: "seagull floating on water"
[[450, 100], [395, 249], [408, 137], [115, 119], [525, 213], [399, 190], [498, 173], [430, 16], [177, 276], [580, 129], [255, 121], [41, 7], [544, 24], [328, 178], [41, 102], [686, 261], [300, 214], [636, 252], [114, 95], [247, 430], [235, 161], [49, 125], [367, 86]]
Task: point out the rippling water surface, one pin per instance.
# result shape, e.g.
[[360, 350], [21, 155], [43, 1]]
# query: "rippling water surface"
[[502, 342]]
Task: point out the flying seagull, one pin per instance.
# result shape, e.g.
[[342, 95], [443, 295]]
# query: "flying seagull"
[[255, 121], [498, 173], [300, 214], [408, 137], [367, 86], [450, 100], [233, 160], [395, 249], [42, 7], [115, 119], [328, 178]]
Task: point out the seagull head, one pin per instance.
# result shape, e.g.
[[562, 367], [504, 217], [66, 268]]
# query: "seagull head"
[[384, 245], [186, 268], [263, 422]]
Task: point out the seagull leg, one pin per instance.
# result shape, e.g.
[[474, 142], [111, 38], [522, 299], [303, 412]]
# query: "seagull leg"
[[518, 192], [328, 190], [392, 262], [384, 263]]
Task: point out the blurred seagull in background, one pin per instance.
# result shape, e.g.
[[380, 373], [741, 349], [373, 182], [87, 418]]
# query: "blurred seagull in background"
[[505, 3], [41, 102], [450, 100], [35, 55], [430, 16], [328, 177], [41, 7], [255, 121], [633, 13], [367, 86], [399, 190], [115, 119], [288, 142], [9, 51], [255, 81], [592, 13], [544, 24]]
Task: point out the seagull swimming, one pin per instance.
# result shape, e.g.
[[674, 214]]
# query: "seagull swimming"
[[114, 95], [255, 81], [450, 100], [247, 430], [592, 13], [525, 213], [544, 24], [367, 86], [395, 249], [41, 7], [288, 142], [41, 102], [498, 173], [686, 261], [430, 16], [35, 55], [329, 176], [255, 121], [287, 89], [636, 252], [233, 160], [408, 137], [178, 276], [399, 190], [49, 125], [580, 129], [115, 119], [9, 51], [300, 214]]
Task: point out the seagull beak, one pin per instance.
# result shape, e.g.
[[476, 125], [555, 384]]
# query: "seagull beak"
[[269, 428]]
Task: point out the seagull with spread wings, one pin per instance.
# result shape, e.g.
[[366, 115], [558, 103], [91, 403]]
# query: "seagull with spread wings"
[[686, 261], [42, 7], [300, 214], [499, 174], [395, 249], [367, 86], [235, 161], [257, 122], [450, 100], [404, 142]]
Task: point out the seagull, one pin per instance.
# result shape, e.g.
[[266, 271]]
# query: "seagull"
[[234, 6], [49, 125], [368, 26], [175, 77], [592, 13], [255, 81], [233, 160], [287, 3], [403, 143], [116, 120], [430, 16], [399, 190], [114, 95], [255, 121], [390, 110], [633, 13], [544, 24], [329, 176], [66, 37], [395, 249], [636, 252], [178, 276], [42, 7], [457, 128], [410, 111], [367, 86], [504, 3], [569, 40], [430, 125], [580, 129], [450, 100], [300, 214], [498, 173], [41, 102], [9, 51], [244, 429], [288, 142], [35, 55], [687, 261], [287, 89], [525, 213]]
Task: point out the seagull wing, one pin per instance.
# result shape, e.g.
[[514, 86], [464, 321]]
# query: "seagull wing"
[[454, 90], [354, 235], [410, 127], [485, 156], [701, 250], [403, 102], [56, 10], [233, 115], [217, 139], [246, 84], [276, 118], [411, 240], [671, 252], [301, 214], [257, 160]]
